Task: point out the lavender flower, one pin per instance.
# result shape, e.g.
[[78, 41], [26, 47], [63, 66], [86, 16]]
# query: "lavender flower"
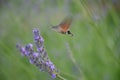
[[39, 58]]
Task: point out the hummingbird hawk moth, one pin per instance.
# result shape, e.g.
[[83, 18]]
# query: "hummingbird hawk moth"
[[64, 26]]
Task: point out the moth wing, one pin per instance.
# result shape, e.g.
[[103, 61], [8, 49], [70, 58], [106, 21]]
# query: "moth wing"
[[64, 26], [56, 28]]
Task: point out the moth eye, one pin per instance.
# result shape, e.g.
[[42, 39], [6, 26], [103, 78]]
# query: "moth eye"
[[68, 32]]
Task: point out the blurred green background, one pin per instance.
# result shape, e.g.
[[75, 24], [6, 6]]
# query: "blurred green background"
[[93, 53]]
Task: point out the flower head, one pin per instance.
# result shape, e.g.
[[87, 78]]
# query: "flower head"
[[40, 58]]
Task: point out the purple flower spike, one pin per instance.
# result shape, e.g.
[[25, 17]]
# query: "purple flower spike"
[[40, 58]]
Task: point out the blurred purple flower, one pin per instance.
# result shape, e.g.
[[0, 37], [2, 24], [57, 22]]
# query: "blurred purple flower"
[[40, 58], [31, 61], [35, 55], [53, 76]]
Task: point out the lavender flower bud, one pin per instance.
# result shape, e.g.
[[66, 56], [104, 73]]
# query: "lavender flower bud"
[[21, 49], [31, 61], [35, 55], [29, 49], [53, 75]]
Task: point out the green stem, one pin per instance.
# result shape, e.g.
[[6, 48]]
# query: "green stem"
[[61, 77]]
